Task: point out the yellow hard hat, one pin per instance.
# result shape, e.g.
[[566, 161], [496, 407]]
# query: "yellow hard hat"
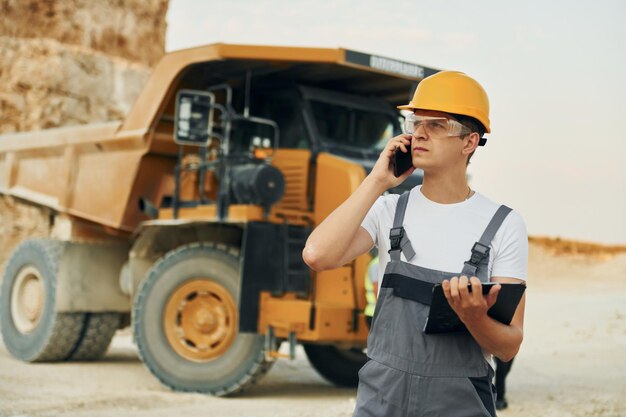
[[452, 92]]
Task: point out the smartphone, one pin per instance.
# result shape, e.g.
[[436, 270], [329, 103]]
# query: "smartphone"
[[402, 161]]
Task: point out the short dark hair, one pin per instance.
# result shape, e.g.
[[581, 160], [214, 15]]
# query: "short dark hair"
[[474, 125]]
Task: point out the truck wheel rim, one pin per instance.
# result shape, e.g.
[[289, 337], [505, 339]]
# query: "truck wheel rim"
[[27, 299], [200, 320]]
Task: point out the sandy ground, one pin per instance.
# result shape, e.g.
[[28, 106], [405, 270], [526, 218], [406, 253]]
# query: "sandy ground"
[[572, 362]]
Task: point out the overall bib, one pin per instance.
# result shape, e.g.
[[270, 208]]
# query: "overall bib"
[[411, 373]]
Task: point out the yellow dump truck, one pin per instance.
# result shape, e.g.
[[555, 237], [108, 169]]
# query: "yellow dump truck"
[[187, 220]]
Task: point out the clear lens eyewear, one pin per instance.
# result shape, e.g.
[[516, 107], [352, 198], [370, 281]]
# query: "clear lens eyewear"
[[434, 126]]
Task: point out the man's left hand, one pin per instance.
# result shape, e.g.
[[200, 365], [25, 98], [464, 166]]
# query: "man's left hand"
[[471, 307]]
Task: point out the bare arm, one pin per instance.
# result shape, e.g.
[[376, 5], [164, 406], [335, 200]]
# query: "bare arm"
[[497, 338], [340, 238]]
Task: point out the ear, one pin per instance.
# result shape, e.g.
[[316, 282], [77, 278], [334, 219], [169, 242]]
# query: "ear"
[[471, 143]]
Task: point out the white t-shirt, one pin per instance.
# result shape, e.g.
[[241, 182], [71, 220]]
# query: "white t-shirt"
[[442, 235]]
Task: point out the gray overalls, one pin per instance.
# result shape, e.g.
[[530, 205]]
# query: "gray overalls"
[[411, 373]]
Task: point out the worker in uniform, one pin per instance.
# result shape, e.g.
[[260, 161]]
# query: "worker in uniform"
[[371, 290], [502, 370], [439, 232]]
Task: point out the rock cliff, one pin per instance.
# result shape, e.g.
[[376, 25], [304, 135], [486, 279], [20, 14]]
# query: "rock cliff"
[[67, 62]]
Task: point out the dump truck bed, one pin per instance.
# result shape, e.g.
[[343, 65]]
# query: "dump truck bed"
[[86, 171]]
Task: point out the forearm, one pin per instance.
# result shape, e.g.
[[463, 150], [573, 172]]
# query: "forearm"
[[496, 338], [330, 240]]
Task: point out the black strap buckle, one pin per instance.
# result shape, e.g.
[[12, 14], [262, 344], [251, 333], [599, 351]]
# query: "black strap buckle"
[[479, 252], [395, 236]]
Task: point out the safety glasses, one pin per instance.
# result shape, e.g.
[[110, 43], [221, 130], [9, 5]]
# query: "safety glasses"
[[434, 126]]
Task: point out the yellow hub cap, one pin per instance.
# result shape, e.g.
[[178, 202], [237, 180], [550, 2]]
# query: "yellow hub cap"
[[200, 320], [27, 299]]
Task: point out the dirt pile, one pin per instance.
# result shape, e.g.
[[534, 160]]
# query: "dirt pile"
[[75, 62], [559, 246], [45, 84], [130, 29]]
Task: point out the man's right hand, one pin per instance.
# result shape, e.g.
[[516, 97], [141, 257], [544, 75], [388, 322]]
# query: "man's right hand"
[[382, 172], [339, 238]]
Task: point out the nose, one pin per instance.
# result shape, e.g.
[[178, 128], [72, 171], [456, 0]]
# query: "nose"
[[420, 133]]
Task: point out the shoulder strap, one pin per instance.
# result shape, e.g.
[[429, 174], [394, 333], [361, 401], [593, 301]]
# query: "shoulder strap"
[[480, 250], [399, 241]]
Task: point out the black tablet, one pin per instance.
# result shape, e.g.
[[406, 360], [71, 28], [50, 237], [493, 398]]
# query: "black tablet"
[[442, 319]]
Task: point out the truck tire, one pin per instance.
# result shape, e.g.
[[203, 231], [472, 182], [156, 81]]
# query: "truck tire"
[[31, 328], [339, 366], [96, 334], [185, 323]]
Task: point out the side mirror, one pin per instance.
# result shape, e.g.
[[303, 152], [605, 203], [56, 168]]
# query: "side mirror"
[[193, 121]]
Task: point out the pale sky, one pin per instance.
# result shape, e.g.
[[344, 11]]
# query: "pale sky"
[[555, 73]]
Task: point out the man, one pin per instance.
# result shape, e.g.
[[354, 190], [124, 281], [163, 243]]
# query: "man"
[[441, 226]]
